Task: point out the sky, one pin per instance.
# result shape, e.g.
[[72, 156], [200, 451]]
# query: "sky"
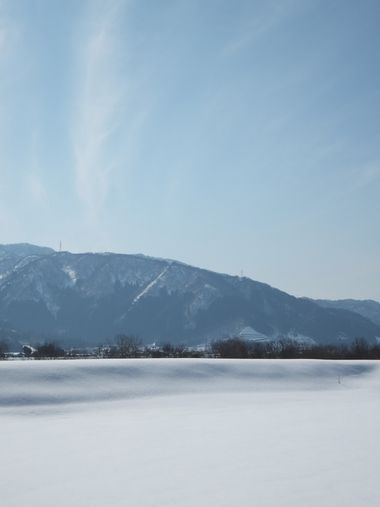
[[243, 137]]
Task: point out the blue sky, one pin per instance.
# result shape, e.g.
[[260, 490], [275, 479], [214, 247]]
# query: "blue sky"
[[232, 135]]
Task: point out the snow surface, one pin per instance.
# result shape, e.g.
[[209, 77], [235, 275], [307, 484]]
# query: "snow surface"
[[189, 433]]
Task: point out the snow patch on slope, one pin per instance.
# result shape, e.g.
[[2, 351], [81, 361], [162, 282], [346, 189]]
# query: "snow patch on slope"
[[71, 273], [150, 285], [250, 334]]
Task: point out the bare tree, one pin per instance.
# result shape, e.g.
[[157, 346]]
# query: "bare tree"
[[3, 349], [48, 350], [127, 346], [233, 348]]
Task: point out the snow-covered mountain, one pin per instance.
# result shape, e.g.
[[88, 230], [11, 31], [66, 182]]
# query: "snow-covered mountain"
[[90, 297]]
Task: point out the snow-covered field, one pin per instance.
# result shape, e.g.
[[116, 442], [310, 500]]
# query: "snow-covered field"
[[138, 433]]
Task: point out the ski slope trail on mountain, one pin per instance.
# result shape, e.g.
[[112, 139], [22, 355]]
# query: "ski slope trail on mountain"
[[184, 433]]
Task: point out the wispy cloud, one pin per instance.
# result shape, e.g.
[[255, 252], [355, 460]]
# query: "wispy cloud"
[[9, 31], [36, 188], [366, 175], [3, 29], [263, 22], [101, 89], [3, 38]]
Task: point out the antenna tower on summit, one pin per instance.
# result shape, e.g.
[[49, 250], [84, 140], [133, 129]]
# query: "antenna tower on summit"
[[60, 246]]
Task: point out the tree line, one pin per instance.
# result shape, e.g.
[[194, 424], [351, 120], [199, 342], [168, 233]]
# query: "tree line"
[[290, 349], [126, 346]]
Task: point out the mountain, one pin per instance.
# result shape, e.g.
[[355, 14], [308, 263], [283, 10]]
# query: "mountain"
[[366, 307], [21, 250], [89, 298], [13, 257]]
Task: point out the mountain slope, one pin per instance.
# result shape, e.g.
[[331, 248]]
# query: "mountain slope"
[[88, 298], [14, 257], [366, 307]]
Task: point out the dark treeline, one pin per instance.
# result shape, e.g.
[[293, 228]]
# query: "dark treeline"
[[126, 346], [289, 349]]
